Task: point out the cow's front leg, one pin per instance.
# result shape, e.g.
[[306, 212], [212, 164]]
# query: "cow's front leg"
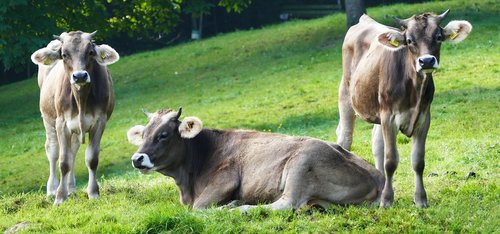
[[75, 145], [64, 137], [52, 151], [284, 203], [418, 161], [391, 157], [218, 190], [92, 156]]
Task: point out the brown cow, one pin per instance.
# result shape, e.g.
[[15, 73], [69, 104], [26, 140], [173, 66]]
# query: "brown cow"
[[387, 80], [76, 97], [215, 167]]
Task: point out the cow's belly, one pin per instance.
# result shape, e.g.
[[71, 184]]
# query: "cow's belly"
[[364, 95], [260, 192], [263, 187], [366, 106], [262, 175], [73, 124], [402, 120]]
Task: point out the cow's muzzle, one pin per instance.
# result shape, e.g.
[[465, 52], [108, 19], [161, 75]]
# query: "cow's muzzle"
[[141, 161], [427, 63], [80, 78]]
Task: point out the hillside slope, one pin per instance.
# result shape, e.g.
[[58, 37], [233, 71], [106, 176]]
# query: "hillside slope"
[[281, 78]]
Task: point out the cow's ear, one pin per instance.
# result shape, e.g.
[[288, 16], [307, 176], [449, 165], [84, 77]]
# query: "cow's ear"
[[393, 40], [48, 55], [190, 127], [457, 30], [106, 55], [134, 135]]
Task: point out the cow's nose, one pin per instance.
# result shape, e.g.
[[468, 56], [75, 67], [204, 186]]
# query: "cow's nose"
[[141, 161], [137, 160], [137, 164], [81, 77], [427, 62]]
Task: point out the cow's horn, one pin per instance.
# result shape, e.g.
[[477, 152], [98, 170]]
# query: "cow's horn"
[[91, 35], [179, 113], [401, 22], [56, 37], [442, 16], [147, 114]]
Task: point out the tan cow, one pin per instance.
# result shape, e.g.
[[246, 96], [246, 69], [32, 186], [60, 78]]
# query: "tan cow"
[[76, 96], [387, 80], [217, 167]]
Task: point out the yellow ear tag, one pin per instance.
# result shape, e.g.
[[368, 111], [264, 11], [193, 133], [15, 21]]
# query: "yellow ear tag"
[[103, 55], [47, 61], [453, 35], [395, 43]]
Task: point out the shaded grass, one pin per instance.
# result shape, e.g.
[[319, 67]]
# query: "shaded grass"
[[281, 78]]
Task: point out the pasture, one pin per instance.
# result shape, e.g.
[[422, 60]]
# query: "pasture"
[[282, 78]]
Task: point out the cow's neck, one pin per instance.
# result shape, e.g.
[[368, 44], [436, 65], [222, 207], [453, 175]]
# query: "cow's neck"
[[197, 152], [80, 96]]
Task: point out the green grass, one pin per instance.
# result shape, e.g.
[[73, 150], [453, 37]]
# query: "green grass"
[[281, 78]]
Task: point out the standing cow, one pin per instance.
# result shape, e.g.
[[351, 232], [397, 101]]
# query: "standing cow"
[[216, 167], [76, 96], [387, 80]]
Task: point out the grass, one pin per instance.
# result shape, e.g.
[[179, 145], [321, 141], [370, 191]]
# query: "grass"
[[281, 78]]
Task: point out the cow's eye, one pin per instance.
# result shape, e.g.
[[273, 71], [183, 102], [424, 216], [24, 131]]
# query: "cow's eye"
[[162, 136], [409, 41], [439, 37], [64, 56], [91, 52]]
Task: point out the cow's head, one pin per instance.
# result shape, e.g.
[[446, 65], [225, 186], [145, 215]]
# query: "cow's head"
[[78, 52], [161, 140], [423, 36]]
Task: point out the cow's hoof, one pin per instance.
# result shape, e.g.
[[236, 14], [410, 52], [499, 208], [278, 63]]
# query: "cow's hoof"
[[71, 191], [93, 195], [52, 188], [245, 208], [385, 204], [51, 193], [421, 204], [58, 201]]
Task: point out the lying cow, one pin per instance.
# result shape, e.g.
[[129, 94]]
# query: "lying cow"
[[387, 80], [216, 167], [76, 96]]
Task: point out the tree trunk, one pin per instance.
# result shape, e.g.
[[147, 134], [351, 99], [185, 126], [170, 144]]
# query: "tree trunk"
[[353, 10]]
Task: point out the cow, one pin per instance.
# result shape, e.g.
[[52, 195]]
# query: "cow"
[[76, 97], [387, 80], [228, 167]]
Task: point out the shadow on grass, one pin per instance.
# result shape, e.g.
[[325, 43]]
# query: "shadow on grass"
[[319, 124]]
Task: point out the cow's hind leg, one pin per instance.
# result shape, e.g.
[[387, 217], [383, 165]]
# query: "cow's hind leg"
[[378, 147], [92, 156], [345, 129], [418, 162], [52, 151]]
